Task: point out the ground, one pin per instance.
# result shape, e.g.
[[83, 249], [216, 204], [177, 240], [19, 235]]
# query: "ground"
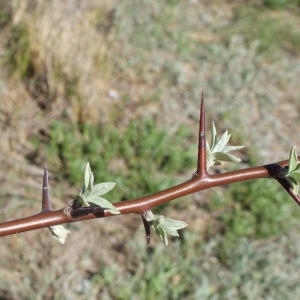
[[119, 85]]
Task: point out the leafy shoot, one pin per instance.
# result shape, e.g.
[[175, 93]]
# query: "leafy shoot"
[[90, 193], [162, 225], [217, 151]]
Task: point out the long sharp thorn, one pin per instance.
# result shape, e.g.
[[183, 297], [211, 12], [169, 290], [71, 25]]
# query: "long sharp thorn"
[[147, 230], [45, 195], [202, 168]]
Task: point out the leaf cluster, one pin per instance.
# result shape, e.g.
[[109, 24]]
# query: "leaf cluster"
[[217, 151], [90, 193], [293, 172], [162, 226]]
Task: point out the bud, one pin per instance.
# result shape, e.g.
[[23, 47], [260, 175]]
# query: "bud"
[[59, 233]]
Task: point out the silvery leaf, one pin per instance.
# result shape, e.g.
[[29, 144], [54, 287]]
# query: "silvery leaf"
[[59, 239], [293, 160], [161, 234], [293, 185], [162, 225], [175, 224], [232, 148], [213, 136], [209, 158], [291, 179], [103, 203], [221, 142], [87, 176], [295, 175], [59, 233], [226, 157], [102, 188], [90, 185], [171, 226], [217, 152], [170, 231], [89, 191]]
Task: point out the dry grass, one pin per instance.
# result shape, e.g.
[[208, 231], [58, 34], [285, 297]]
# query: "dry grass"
[[66, 54]]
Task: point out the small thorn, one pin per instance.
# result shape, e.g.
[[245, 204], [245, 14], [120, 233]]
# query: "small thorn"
[[147, 230], [45, 194]]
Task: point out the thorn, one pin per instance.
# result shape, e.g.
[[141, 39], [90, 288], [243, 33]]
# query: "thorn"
[[202, 168], [285, 184], [147, 230], [45, 194]]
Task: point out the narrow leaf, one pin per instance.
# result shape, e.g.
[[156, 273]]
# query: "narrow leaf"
[[170, 231], [293, 160], [89, 190], [221, 142], [209, 158], [161, 234], [102, 188], [91, 183], [226, 157], [59, 239], [173, 223], [291, 179], [87, 175], [295, 175], [103, 203], [232, 148], [294, 186], [213, 136], [171, 226]]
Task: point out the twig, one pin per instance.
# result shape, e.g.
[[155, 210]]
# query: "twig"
[[200, 180]]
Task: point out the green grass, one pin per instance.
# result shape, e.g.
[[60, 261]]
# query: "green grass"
[[140, 158], [191, 269], [274, 30], [255, 209], [280, 4], [20, 55]]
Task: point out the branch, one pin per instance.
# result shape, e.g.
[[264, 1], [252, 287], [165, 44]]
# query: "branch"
[[200, 180]]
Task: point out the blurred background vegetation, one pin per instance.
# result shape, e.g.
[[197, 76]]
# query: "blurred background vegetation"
[[118, 84]]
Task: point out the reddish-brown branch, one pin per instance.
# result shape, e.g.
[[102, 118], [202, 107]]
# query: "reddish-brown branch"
[[201, 180], [139, 205]]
